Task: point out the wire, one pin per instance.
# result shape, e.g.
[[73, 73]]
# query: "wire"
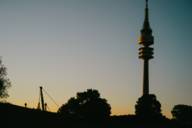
[[39, 102], [51, 97]]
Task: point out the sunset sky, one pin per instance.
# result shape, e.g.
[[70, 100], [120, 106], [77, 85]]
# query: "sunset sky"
[[68, 46]]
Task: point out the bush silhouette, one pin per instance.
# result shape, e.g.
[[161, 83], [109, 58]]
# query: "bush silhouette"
[[86, 105], [182, 113], [148, 107], [4, 81]]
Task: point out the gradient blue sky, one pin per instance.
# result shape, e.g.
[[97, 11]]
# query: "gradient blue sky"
[[68, 46]]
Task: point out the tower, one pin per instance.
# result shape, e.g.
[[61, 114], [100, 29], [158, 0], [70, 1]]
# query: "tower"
[[147, 105], [146, 52]]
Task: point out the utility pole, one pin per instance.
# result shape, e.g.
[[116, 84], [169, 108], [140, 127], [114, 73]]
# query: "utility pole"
[[42, 99]]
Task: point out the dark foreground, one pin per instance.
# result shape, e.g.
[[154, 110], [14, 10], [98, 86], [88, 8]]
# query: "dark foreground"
[[16, 116]]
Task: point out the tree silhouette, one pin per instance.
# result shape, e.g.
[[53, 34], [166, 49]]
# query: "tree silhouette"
[[148, 107], [182, 113], [86, 105], [4, 81]]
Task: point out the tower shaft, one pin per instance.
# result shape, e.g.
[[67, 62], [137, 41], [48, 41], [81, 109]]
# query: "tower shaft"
[[146, 77]]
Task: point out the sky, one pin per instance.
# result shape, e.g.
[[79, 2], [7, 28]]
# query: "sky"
[[68, 46]]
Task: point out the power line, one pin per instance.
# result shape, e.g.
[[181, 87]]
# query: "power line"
[[51, 98]]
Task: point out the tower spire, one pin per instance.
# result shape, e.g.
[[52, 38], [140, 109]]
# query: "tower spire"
[[146, 3], [146, 37], [146, 22], [146, 52]]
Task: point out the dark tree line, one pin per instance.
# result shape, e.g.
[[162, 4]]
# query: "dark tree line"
[[89, 105]]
